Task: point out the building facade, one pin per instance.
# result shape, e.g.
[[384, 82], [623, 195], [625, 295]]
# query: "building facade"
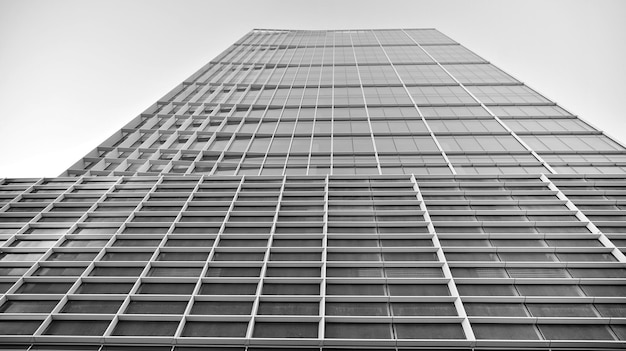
[[351, 189]]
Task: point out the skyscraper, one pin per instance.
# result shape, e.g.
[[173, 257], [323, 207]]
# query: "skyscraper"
[[351, 189]]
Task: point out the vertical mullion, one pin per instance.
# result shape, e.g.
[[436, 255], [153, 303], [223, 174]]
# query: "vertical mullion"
[[430, 131]]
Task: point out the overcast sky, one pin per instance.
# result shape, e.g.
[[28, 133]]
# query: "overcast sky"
[[74, 72]]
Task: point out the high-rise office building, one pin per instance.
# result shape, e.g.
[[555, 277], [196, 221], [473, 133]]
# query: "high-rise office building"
[[351, 189]]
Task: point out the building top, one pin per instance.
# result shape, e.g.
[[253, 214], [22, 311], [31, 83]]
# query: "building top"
[[390, 101]]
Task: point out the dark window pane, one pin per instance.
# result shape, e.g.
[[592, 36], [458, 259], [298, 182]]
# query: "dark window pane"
[[423, 309], [505, 331], [575, 332], [429, 331], [285, 330], [145, 328], [116, 271], [92, 306], [355, 289], [358, 330], [233, 272], [221, 307], [611, 309], [228, 289], [44, 288], [215, 329], [548, 290], [486, 290], [561, 310], [166, 289], [290, 289], [104, 288], [77, 327], [495, 309], [604, 290], [28, 306], [357, 309], [19, 327], [418, 290], [288, 308], [158, 307]]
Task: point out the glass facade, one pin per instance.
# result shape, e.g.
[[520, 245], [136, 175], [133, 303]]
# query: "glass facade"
[[360, 189]]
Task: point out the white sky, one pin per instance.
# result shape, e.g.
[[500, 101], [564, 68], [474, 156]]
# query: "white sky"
[[74, 72]]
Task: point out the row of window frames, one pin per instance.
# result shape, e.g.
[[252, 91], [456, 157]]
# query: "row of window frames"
[[395, 186], [245, 242], [245, 308], [295, 159], [331, 272], [563, 289], [369, 308], [237, 271], [312, 229], [317, 256], [264, 197], [344, 190], [243, 256], [340, 330], [303, 329], [308, 289], [246, 272], [387, 195], [262, 207], [332, 330], [361, 216], [284, 242], [174, 208], [265, 229], [233, 217], [252, 188]]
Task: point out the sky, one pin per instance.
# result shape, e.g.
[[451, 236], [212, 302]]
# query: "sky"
[[74, 72]]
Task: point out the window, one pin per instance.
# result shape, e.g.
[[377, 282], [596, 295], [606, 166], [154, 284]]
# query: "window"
[[548, 290], [77, 327], [575, 332], [357, 309], [44, 288], [166, 288], [157, 307], [145, 328], [288, 308], [418, 290], [423, 309], [175, 271], [116, 271], [215, 329], [228, 289], [486, 290], [429, 331], [59, 271], [292, 272], [222, 307], [355, 289], [358, 330], [183, 256], [28, 306], [104, 288], [234, 272], [92, 306], [561, 310], [285, 330], [290, 289], [495, 309], [505, 331], [19, 327]]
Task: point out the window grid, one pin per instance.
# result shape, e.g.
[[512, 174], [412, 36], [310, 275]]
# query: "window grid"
[[331, 186]]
